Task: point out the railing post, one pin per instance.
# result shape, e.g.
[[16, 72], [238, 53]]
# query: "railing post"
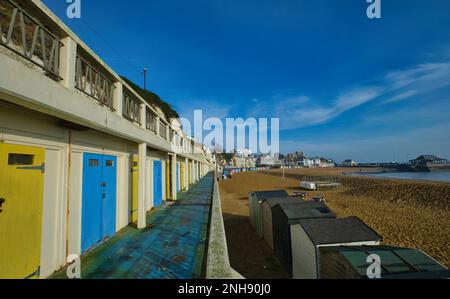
[[158, 126], [68, 62], [118, 98], [143, 116]]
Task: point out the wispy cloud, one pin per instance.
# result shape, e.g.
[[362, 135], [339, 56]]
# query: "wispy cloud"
[[300, 111], [400, 97], [434, 73], [395, 86]]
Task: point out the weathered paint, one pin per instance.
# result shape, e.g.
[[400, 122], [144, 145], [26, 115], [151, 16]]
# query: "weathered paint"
[[173, 247], [22, 188], [134, 189], [157, 183], [99, 199]]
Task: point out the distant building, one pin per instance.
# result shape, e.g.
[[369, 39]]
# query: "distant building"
[[326, 163], [294, 159], [349, 163], [243, 152], [317, 162], [267, 160], [429, 162], [426, 160], [244, 162]]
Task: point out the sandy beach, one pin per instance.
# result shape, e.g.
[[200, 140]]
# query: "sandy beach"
[[406, 213]]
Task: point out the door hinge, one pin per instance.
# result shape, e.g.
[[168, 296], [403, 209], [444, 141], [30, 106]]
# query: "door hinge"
[[41, 168]]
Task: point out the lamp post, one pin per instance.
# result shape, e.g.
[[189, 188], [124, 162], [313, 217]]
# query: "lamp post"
[[145, 78]]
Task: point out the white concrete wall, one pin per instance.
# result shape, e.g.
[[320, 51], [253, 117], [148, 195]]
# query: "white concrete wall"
[[123, 192], [303, 254], [267, 224], [150, 200]]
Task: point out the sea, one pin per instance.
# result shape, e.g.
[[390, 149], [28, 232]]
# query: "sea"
[[437, 176]]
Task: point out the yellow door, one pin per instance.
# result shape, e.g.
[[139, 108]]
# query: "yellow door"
[[134, 189], [21, 196], [189, 174], [182, 177]]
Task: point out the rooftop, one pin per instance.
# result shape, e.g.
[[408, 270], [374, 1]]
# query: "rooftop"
[[275, 201], [394, 260], [261, 195], [334, 231], [306, 210]]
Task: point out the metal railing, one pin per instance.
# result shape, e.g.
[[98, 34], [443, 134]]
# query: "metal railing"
[[151, 121], [91, 82], [163, 130], [25, 36], [171, 135], [131, 109]]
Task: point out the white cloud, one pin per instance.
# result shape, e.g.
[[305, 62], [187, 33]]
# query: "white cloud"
[[301, 111], [420, 74], [356, 97], [400, 97]]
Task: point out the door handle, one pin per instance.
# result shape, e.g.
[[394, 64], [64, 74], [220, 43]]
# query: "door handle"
[[2, 201]]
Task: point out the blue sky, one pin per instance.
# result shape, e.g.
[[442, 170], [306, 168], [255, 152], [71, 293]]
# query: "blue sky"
[[343, 86]]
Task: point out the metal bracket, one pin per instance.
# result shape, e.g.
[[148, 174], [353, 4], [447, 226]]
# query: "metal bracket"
[[41, 168], [2, 201]]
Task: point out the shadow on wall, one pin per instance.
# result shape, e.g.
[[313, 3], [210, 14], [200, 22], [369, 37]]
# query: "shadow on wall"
[[249, 254]]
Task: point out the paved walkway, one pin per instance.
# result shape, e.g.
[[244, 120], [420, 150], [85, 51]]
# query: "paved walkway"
[[173, 246]]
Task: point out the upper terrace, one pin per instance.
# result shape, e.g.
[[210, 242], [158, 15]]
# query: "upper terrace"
[[46, 67]]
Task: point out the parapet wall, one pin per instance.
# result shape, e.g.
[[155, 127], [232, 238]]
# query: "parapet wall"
[[218, 261]]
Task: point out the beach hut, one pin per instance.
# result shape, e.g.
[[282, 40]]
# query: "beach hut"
[[308, 236], [254, 205], [286, 214], [343, 262], [267, 206]]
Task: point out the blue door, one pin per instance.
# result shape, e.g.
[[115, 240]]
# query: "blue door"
[[178, 177], [92, 205], [157, 183], [109, 184], [99, 199]]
